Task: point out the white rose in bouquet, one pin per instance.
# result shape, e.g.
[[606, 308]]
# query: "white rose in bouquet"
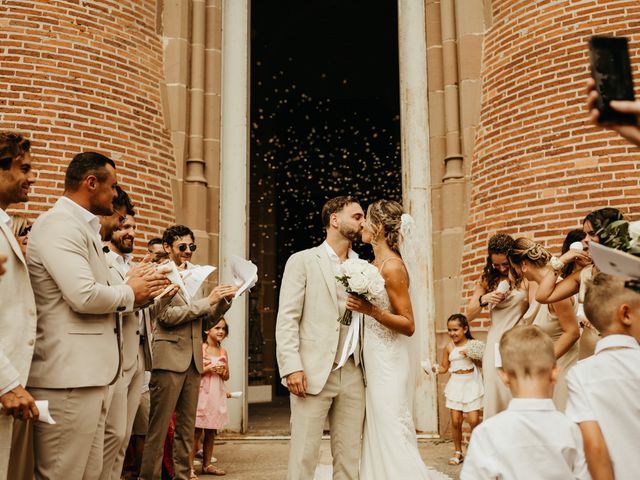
[[360, 278], [634, 233]]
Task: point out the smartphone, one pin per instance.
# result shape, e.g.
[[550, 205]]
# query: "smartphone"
[[611, 70]]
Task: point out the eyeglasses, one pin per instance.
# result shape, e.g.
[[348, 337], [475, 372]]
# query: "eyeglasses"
[[24, 231], [183, 247]]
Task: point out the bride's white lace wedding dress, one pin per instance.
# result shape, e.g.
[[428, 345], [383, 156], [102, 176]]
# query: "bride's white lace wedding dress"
[[390, 447]]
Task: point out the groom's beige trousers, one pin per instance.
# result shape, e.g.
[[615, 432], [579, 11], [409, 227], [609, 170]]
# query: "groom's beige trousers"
[[342, 399]]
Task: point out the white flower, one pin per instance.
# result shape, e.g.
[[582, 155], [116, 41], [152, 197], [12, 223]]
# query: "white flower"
[[377, 286], [353, 266], [475, 349], [634, 232], [359, 283]]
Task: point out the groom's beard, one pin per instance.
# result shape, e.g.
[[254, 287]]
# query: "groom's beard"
[[349, 233]]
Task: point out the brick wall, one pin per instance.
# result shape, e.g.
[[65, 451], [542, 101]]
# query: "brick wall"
[[84, 75], [539, 166]]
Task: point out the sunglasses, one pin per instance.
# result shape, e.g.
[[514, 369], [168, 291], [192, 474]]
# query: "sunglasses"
[[24, 231], [183, 247]]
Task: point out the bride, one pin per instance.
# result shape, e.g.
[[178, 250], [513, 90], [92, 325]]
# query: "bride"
[[389, 443]]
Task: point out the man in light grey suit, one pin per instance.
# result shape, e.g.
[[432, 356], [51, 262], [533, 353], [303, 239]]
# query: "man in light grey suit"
[[309, 342], [177, 362], [17, 305], [77, 352]]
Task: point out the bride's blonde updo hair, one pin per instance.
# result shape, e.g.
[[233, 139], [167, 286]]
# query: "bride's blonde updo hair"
[[532, 252], [384, 218]]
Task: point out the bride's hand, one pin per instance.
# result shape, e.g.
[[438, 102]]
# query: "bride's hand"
[[359, 304]]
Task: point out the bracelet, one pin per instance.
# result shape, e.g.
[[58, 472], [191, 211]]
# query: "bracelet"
[[556, 264], [482, 305]]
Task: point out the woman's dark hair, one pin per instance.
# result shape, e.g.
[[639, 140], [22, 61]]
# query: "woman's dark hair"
[[499, 244], [226, 329], [602, 217], [575, 235], [462, 320]]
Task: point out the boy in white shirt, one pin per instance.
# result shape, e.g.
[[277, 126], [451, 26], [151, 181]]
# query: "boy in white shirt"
[[531, 439], [604, 389]]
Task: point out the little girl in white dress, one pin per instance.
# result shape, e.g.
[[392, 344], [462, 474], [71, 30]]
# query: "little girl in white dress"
[[465, 390]]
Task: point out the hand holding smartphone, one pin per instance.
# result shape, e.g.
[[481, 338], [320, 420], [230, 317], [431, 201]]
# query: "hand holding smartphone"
[[611, 72]]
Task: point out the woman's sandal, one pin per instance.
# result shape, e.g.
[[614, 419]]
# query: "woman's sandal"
[[457, 458], [213, 470]]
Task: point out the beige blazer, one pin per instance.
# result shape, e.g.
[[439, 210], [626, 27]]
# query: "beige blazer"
[[76, 343], [129, 325], [307, 330], [17, 314], [177, 332]]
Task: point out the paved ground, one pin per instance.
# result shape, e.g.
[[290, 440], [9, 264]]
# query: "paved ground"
[[267, 459]]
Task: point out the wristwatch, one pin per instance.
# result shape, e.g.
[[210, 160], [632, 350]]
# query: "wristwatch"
[[482, 305], [556, 264]]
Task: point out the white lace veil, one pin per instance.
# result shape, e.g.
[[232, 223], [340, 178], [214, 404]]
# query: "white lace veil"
[[410, 253]]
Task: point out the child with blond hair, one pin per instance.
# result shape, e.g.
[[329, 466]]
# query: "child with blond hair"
[[531, 439], [604, 389]]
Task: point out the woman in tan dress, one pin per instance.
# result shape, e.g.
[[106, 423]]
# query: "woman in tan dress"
[[505, 312], [558, 319], [551, 290]]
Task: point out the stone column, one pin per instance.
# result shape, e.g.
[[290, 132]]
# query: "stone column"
[[234, 179], [416, 187]]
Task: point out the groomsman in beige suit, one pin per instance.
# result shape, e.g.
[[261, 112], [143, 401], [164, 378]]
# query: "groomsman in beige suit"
[[177, 362], [17, 305], [77, 352], [309, 342]]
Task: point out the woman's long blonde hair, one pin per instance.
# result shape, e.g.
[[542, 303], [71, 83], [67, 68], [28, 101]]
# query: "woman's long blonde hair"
[[18, 223]]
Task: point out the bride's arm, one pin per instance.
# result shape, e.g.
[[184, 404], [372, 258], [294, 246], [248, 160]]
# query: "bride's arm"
[[396, 282]]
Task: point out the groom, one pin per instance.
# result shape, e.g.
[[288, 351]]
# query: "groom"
[[309, 341]]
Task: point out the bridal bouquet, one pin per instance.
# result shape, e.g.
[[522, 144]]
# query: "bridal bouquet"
[[621, 235], [474, 349], [359, 278]]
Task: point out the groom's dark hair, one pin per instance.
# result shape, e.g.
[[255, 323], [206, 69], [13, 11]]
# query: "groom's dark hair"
[[334, 205]]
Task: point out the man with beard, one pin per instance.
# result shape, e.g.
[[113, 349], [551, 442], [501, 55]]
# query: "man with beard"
[[118, 233], [18, 308], [309, 344], [77, 354]]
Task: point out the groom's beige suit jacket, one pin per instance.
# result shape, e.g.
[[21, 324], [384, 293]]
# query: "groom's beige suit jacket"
[[307, 330]]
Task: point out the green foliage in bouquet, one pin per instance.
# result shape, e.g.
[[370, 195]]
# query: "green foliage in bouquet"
[[620, 235]]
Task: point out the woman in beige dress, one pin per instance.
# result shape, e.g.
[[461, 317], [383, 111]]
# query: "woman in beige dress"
[[558, 319], [505, 311], [551, 290]]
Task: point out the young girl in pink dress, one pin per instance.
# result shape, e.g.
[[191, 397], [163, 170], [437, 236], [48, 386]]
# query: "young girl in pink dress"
[[212, 400]]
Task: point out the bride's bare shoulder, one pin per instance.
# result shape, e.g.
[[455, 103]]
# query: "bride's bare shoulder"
[[394, 270]]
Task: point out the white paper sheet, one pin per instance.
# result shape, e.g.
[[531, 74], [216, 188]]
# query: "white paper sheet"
[[245, 273], [614, 262], [43, 408], [193, 278], [173, 274]]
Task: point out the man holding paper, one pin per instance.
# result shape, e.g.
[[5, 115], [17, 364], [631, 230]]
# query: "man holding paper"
[[18, 311], [177, 358], [310, 344]]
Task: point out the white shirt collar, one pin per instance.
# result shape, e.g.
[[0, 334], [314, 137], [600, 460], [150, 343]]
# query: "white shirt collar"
[[89, 217], [124, 259], [332, 255], [5, 218], [616, 341], [524, 404]]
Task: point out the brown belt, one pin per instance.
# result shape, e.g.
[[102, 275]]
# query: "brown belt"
[[463, 372]]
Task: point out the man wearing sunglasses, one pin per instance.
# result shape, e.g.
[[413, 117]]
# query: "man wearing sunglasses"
[[177, 361]]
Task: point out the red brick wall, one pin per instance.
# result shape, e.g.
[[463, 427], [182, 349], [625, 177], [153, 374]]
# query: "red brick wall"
[[84, 75], [539, 166]]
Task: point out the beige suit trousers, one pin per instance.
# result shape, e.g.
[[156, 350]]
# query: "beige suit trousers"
[[120, 415], [72, 448], [171, 391], [21, 460], [343, 400]]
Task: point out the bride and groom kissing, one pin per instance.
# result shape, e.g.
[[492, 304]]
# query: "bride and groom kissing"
[[376, 377]]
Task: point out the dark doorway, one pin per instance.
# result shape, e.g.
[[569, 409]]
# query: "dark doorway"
[[325, 121]]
